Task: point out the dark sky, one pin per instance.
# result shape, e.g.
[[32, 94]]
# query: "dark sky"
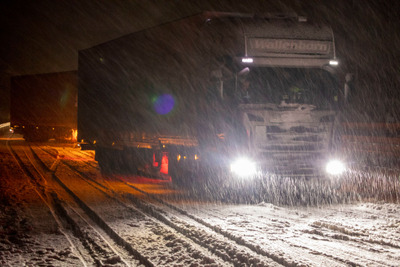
[[44, 36]]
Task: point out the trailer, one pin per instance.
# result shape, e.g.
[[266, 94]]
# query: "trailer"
[[213, 94], [44, 106]]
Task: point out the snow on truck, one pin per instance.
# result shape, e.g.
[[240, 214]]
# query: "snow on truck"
[[215, 92], [44, 106]]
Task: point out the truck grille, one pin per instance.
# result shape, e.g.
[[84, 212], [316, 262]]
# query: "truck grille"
[[291, 143]]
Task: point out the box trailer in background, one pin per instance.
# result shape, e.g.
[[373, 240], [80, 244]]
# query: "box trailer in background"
[[44, 106], [168, 100]]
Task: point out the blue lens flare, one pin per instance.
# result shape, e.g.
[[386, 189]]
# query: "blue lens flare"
[[164, 104]]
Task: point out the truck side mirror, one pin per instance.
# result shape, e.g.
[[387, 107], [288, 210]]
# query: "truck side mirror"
[[216, 77], [240, 74], [244, 72], [348, 86]]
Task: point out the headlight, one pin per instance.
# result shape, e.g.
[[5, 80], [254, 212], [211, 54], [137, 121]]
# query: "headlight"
[[335, 167], [243, 167]]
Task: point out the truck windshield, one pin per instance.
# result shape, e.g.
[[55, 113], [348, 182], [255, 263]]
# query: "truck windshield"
[[287, 86]]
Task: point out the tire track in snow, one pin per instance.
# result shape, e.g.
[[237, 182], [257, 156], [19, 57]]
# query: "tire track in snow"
[[201, 238], [278, 256], [282, 229], [185, 228], [38, 188], [101, 251], [224, 246], [341, 258], [113, 196], [350, 256]]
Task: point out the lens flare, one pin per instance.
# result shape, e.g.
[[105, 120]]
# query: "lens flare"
[[164, 104]]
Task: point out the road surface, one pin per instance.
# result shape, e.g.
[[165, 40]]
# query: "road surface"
[[58, 209]]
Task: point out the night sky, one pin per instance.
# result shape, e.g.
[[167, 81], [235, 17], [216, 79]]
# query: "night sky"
[[45, 36]]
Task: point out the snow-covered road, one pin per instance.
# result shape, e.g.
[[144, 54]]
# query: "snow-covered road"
[[57, 209]]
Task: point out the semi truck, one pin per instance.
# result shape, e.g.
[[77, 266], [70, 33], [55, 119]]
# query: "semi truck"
[[44, 106], [214, 94]]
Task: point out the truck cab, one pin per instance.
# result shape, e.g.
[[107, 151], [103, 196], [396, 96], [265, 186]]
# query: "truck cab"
[[285, 89]]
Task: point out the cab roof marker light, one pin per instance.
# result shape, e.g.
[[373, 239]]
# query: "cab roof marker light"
[[333, 62], [302, 19], [247, 60]]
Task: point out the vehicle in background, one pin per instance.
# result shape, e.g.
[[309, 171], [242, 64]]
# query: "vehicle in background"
[[171, 100], [44, 106]]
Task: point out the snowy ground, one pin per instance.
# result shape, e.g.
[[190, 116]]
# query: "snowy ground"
[[56, 209]]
